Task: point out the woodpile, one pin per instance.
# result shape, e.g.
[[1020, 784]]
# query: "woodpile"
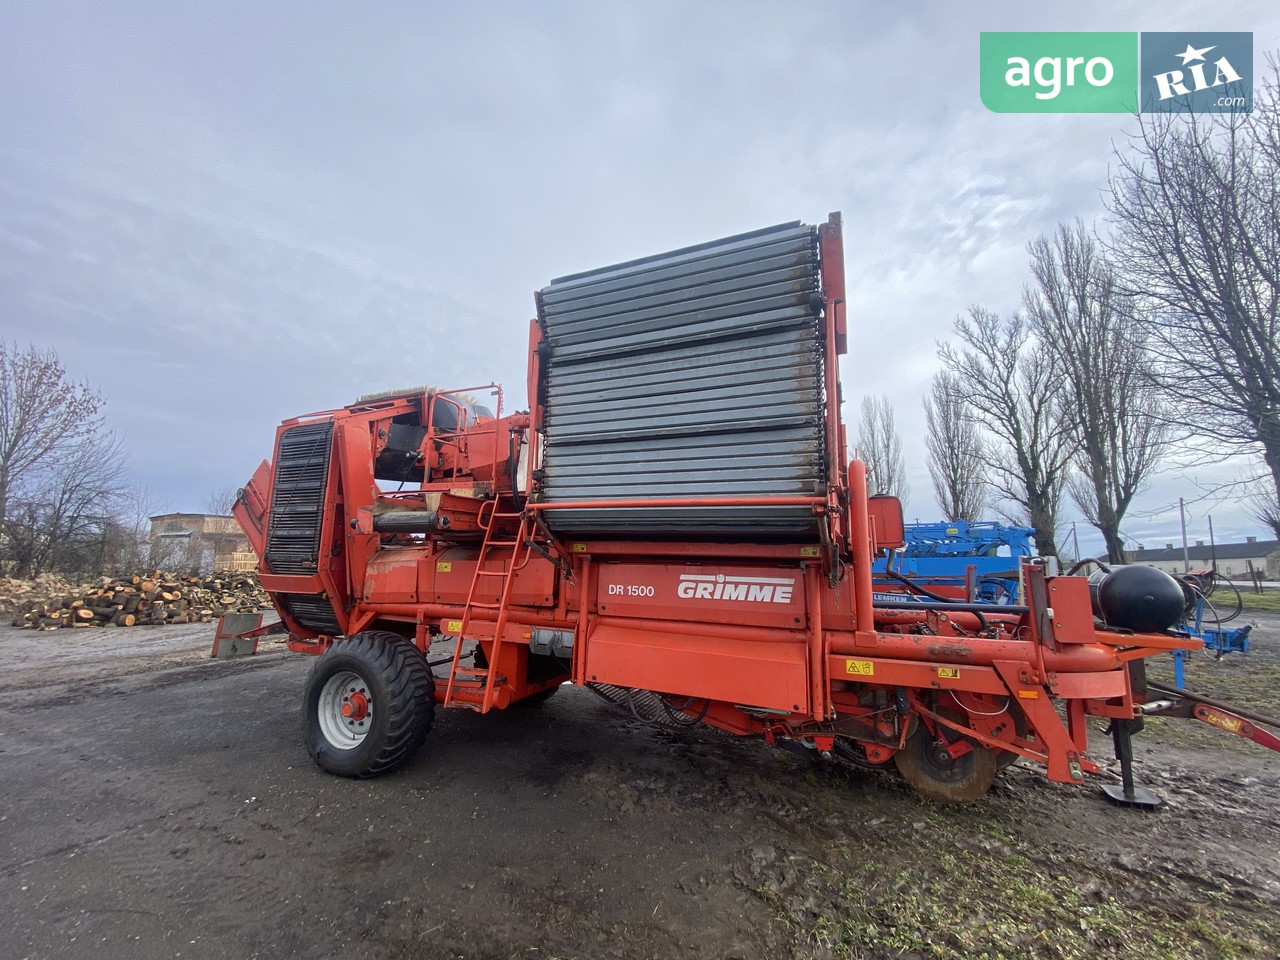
[[156, 598]]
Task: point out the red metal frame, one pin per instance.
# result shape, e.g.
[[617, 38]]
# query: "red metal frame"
[[771, 639]]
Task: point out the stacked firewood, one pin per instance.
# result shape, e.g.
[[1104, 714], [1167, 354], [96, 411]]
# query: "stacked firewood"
[[18, 594], [156, 598]]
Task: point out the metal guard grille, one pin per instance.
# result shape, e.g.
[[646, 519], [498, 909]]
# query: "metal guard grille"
[[312, 611], [297, 498], [693, 374]]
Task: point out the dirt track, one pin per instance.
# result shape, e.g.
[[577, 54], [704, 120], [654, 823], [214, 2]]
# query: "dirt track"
[[159, 804]]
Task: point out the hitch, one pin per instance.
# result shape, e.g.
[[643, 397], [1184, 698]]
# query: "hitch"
[[1243, 723]]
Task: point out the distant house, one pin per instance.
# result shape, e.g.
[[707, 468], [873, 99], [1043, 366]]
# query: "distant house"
[[199, 541], [1231, 559]]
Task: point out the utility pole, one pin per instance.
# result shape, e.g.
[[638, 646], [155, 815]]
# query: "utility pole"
[[1075, 541], [1213, 547], [1186, 556]]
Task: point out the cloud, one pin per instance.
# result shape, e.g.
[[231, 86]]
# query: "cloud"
[[274, 208]]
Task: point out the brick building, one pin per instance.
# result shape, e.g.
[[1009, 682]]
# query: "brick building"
[[199, 541]]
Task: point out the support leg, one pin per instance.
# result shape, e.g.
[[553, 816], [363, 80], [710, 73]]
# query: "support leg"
[[1128, 795]]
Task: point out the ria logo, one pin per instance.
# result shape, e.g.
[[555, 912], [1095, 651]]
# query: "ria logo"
[[1172, 83], [694, 586], [1200, 72]]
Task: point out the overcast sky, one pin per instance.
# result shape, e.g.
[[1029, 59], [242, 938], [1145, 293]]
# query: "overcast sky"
[[231, 213]]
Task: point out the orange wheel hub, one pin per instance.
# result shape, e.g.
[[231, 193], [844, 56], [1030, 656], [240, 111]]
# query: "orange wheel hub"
[[355, 706]]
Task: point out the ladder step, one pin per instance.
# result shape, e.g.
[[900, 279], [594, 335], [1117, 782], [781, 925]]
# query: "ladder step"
[[471, 672], [473, 685]]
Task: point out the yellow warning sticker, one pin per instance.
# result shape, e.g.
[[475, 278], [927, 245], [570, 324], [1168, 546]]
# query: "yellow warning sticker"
[[579, 548], [864, 668], [453, 626], [444, 566], [810, 551], [948, 673], [1226, 723]]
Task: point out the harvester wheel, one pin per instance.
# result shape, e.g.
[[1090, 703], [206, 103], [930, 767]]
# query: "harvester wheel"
[[368, 704], [1009, 720], [926, 765]]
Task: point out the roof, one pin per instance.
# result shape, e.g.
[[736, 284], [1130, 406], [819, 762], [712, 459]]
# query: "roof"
[[1223, 551], [171, 516]]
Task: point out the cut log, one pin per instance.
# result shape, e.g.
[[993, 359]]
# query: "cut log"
[[155, 598]]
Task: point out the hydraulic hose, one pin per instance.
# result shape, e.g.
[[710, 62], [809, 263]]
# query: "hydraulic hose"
[[942, 602]]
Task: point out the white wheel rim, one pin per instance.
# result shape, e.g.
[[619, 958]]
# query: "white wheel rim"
[[347, 689]]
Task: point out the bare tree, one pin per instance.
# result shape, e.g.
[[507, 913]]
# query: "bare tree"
[[1196, 205], [1079, 314], [219, 500], [173, 553], [881, 448], [130, 546], [1259, 500], [1012, 388], [62, 517], [43, 414], [954, 444]]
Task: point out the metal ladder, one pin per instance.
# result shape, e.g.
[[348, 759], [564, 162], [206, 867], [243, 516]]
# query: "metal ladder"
[[485, 679]]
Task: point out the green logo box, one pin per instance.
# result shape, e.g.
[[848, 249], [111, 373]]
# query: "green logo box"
[[1059, 72]]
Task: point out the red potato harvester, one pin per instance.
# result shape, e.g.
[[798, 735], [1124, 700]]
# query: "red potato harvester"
[[675, 524]]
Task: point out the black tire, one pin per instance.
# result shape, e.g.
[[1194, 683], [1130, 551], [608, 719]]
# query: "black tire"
[[387, 677]]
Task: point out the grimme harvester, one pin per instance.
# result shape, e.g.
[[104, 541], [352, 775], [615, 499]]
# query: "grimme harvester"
[[673, 523]]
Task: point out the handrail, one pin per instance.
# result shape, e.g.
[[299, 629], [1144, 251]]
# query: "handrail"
[[684, 502]]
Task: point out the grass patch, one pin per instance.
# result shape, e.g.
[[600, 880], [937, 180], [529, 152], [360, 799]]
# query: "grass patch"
[[999, 905], [1268, 600], [1250, 680]]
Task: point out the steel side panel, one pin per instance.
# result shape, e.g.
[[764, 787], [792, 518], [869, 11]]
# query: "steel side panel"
[[392, 576], [761, 245], [659, 373], [1072, 610], [290, 583], [446, 578], [908, 673], [772, 675], [1090, 686], [758, 596], [413, 575], [694, 258]]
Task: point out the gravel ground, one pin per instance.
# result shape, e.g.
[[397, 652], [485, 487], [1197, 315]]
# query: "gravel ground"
[[161, 804]]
